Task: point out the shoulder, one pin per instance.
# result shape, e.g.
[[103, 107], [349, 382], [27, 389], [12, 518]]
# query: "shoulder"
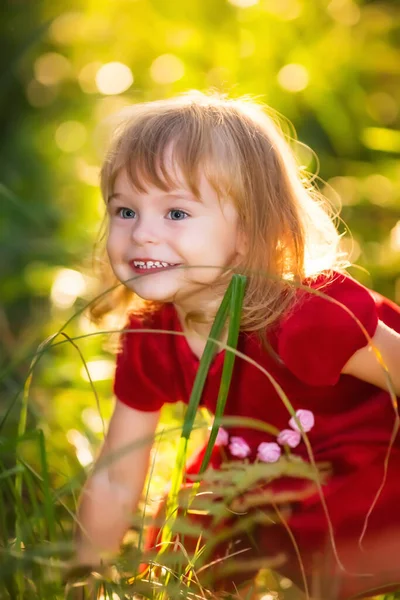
[[331, 294], [144, 360], [333, 316]]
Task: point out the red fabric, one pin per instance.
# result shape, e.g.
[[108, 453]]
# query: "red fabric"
[[353, 419]]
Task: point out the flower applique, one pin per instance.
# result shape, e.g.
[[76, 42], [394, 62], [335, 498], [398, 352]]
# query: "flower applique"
[[239, 447], [289, 437], [222, 437], [292, 437], [270, 452], [305, 418]]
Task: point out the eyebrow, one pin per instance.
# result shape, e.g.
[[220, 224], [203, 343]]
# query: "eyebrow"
[[178, 195]]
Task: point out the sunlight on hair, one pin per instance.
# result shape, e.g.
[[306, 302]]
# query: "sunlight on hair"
[[67, 286], [395, 237], [99, 370], [51, 68], [114, 78], [167, 68], [82, 447], [70, 136], [293, 78], [351, 247]]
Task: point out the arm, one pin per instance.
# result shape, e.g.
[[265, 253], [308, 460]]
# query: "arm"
[[365, 365], [113, 490]]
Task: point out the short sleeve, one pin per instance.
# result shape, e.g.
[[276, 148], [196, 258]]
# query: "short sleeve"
[[320, 334], [137, 380]]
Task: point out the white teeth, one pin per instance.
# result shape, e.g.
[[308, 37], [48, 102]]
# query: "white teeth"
[[151, 264]]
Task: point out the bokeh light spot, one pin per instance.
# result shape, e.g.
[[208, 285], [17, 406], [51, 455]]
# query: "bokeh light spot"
[[345, 12], [379, 138], [167, 68], [395, 237], [345, 187], [67, 286], [113, 78], [382, 107], [40, 95], [247, 43], [92, 419], [286, 10], [87, 77], [82, 447], [89, 174], [70, 136], [293, 77], [378, 189], [243, 3], [67, 28], [51, 68], [285, 583], [99, 370]]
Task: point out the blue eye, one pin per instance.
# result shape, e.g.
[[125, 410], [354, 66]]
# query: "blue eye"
[[178, 212], [126, 213]]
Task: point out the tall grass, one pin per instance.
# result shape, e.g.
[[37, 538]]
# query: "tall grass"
[[36, 520]]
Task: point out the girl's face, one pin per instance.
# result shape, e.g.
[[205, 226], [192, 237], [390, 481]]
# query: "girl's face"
[[174, 228]]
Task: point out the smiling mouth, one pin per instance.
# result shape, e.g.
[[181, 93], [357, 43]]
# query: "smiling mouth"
[[151, 265]]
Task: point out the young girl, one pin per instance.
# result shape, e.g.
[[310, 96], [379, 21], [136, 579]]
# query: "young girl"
[[198, 188]]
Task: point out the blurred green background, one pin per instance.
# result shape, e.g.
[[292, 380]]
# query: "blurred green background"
[[331, 67]]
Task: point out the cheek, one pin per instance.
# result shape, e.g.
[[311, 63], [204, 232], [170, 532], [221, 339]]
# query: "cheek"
[[113, 244]]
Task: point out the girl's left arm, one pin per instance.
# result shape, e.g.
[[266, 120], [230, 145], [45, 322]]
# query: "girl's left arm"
[[364, 363]]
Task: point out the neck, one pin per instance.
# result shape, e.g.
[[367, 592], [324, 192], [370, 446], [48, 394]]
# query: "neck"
[[199, 330]]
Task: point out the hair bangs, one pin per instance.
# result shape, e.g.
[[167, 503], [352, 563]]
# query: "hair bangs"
[[169, 151]]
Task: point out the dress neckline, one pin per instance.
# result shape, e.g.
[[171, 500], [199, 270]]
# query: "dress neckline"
[[187, 351]]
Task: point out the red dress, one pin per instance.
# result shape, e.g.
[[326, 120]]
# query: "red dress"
[[354, 421]]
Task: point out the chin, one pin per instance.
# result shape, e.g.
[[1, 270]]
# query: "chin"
[[147, 292]]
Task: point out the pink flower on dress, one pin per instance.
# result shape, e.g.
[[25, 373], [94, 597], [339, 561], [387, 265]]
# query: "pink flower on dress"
[[238, 447], [306, 419], [268, 452], [222, 437], [289, 437]]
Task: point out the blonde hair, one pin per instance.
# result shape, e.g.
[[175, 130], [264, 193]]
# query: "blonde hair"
[[244, 155]]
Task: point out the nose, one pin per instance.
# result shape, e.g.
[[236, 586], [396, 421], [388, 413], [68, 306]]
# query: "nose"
[[145, 230]]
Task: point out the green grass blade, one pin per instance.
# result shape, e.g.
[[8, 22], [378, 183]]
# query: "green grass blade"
[[194, 401], [46, 488], [238, 291]]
